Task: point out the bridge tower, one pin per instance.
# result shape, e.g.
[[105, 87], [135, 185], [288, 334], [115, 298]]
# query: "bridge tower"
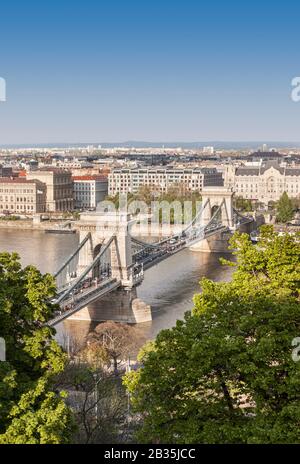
[[215, 197], [121, 305], [102, 227]]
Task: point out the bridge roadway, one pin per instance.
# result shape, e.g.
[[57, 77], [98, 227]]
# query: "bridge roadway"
[[76, 302], [156, 253]]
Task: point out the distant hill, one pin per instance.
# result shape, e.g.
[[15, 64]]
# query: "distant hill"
[[141, 144]]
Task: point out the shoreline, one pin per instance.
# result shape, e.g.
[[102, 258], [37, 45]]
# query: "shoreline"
[[28, 224]]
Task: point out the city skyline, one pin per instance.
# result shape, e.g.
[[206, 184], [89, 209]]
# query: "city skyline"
[[135, 144], [159, 72]]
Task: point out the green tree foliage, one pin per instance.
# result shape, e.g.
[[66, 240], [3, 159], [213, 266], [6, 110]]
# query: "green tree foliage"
[[30, 411], [285, 209], [226, 374], [296, 203], [243, 205]]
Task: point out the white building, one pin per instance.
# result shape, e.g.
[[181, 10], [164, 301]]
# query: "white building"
[[208, 150], [161, 179], [264, 183], [21, 196], [89, 191]]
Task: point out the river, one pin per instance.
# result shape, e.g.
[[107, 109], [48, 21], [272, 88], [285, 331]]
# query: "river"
[[168, 287]]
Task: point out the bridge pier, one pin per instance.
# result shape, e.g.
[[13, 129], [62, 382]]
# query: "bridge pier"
[[121, 305], [216, 243]]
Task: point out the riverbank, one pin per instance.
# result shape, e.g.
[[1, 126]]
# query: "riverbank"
[[29, 224], [156, 231]]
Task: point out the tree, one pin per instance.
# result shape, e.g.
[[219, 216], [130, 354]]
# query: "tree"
[[285, 209], [30, 410], [94, 355], [226, 374], [296, 203], [99, 403], [243, 205], [118, 340]]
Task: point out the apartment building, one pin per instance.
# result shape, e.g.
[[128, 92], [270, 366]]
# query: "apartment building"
[[59, 185], [89, 191], [161, 179], [22, 196], [6, 171], [264, 183]]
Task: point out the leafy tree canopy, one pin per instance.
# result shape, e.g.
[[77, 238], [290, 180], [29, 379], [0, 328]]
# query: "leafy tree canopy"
[[30, 412], [285, 209], [226, 374]]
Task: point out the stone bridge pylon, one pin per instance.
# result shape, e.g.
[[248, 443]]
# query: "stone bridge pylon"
[[121, 305], [218, 197], [102, 226]]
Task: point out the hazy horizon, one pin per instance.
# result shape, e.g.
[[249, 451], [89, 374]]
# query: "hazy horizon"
[[218, 144]]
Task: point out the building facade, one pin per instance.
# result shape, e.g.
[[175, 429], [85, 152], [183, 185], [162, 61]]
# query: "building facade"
[[89, 191], [21, 196], [265, 183], [59, 185], [162, 179], [6, 171]]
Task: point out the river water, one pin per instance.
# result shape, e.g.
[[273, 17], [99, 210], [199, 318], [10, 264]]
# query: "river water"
[[168, 287]]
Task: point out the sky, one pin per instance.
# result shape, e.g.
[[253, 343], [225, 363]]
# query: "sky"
[[159, 70]]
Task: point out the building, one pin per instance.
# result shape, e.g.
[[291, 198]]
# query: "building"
[[265, 156], [59, 188], [161, 179], [71, 164], [6, 171], [265, 183], [208, 150], [89, 191], [22, 196]]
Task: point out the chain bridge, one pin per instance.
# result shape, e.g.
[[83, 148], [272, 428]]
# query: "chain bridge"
[[99, 280]]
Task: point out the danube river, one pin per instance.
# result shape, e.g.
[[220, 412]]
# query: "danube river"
[[168, 287]]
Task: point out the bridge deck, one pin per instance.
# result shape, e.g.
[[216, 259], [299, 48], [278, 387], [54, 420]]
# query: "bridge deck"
[[83, 300], [167, 249]]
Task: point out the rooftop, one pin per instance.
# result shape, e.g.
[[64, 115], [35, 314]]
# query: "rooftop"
[[99, 178], [18, 180], [256, 171]]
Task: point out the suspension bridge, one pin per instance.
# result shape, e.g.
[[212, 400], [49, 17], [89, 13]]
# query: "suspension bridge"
[[102, 274]]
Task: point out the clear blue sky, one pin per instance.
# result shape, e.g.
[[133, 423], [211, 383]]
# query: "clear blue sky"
[[159, 70]]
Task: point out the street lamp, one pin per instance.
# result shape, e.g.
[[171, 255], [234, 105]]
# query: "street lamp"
[[96, 394]]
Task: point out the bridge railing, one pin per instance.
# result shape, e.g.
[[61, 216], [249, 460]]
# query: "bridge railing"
[[240, 218], [88, 269], [62, 272], [71, 307]]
